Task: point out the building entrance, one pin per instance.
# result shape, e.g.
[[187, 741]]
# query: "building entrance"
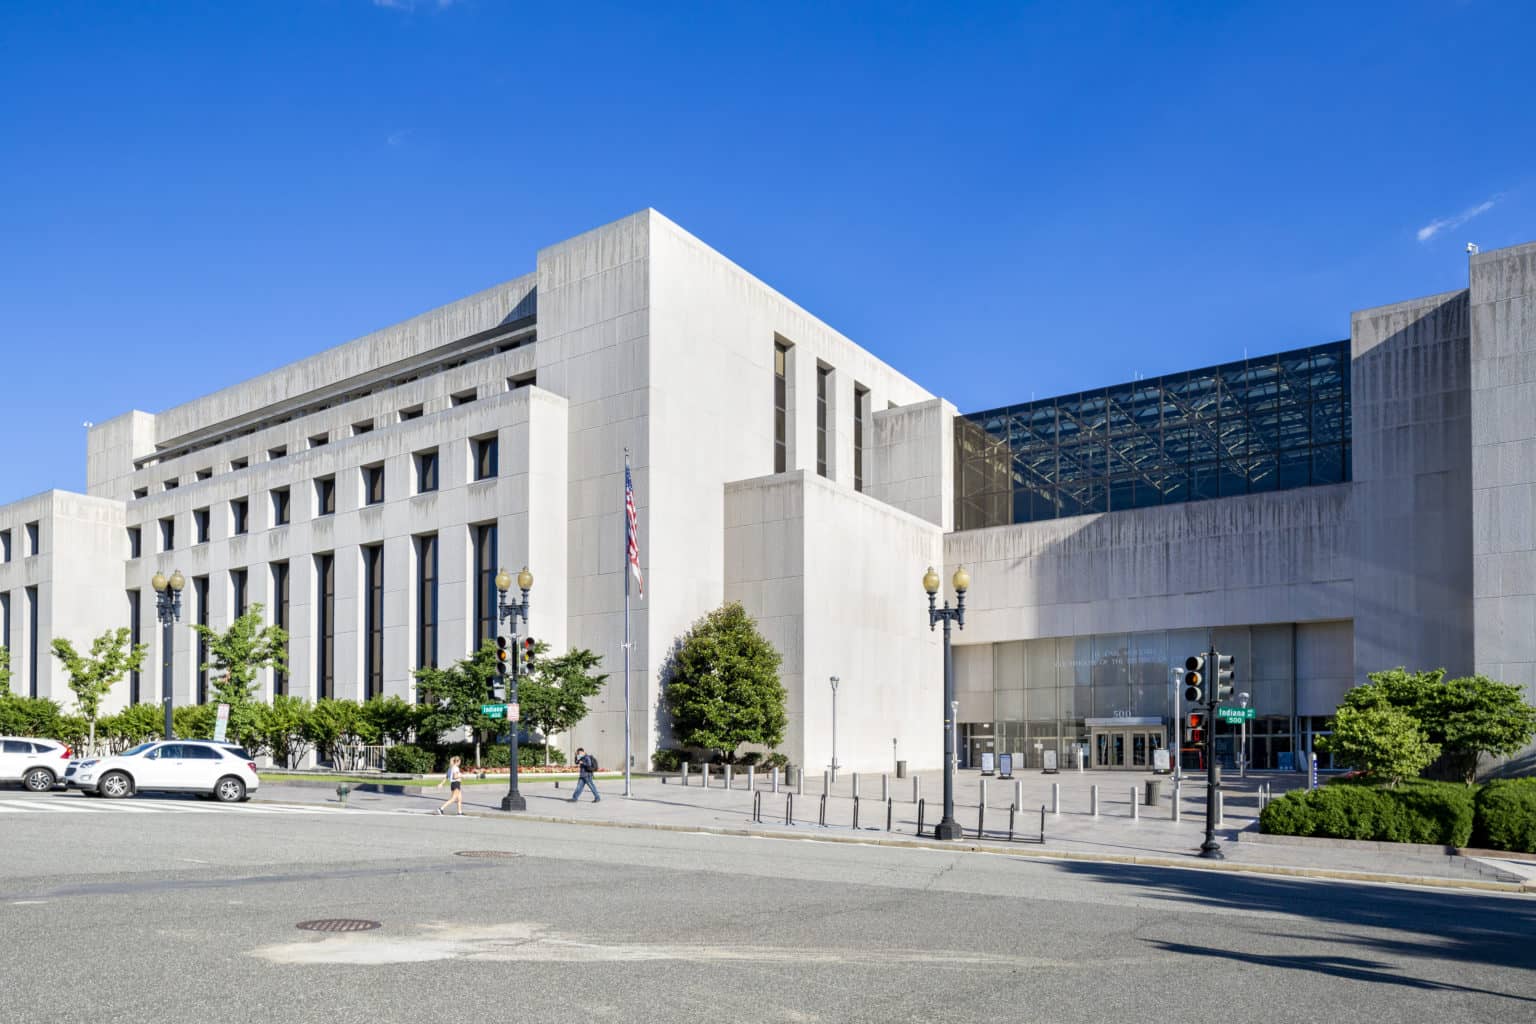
[[1125, 743]]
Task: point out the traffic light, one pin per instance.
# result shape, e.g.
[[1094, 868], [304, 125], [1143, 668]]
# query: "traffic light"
[[1222, 677], [1194, 732], [1194, 679], [503, 656], [527, 654]]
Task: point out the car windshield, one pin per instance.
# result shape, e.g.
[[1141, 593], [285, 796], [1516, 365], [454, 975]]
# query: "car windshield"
[[131, 751]]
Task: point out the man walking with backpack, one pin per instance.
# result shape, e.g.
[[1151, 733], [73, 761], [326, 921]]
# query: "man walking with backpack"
[[587, 764]]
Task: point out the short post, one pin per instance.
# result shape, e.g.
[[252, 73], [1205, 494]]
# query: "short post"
[[885, 786], [983, 800], [685, 773], [981, 819], [1093, 800], [789, 808], [890, 810], [822, 817], [800, 783], [855, 785], [826, 782], [917, 788], [1174, 813], [1018, 793], [727, 776], [751, 780], [775, 780], [855, 814], [1135, 811], [704, 774], [1220, 807], [1055, 798]]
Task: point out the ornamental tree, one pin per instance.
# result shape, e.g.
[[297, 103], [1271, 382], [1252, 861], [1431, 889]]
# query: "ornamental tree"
[[452, 696], [239, 652], [554, 697], [722, 685], [92, 676], [1382, 741]]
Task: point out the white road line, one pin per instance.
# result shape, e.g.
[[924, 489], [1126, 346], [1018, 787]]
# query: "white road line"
[[42, 805]]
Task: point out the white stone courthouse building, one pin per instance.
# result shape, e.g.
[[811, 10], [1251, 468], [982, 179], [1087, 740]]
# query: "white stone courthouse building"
[[1320, 513]]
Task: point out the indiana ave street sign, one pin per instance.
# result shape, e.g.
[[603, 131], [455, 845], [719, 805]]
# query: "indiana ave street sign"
[[1225, 714], [493, 710]]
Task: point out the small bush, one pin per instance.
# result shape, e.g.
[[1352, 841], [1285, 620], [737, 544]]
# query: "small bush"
[[1506, 816], [776, 760], [409, 759], [668, 759], [1420, 812]]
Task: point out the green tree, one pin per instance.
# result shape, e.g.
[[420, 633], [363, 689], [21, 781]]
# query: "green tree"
[[554, 697], [92, 676], [235, 655], [1383, 741], [5, 671], [391, 718], [338, 729], [722, 685], [280, 729], [1465, 717], [132, 726], [28, 716], [194, 721], [452, 696]]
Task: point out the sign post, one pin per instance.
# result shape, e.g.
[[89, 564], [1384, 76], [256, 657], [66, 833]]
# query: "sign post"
[[221, 724], [493, 710]]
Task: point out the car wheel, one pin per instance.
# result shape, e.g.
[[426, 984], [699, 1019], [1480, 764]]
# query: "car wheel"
[[114, 785], [229, 790], [39, 780]]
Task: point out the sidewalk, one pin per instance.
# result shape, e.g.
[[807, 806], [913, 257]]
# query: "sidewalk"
[[1074, 833]]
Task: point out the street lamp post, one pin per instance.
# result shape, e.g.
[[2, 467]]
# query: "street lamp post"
[[513, 610], [1176, 675], [1242, 740], [948, 827], [835, 681], [168, 606]]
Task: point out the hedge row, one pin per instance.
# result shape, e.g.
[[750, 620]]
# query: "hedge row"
[[1500, 815], [407, 757]]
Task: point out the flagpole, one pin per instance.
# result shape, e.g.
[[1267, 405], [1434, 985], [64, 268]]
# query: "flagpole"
[[624, 511]]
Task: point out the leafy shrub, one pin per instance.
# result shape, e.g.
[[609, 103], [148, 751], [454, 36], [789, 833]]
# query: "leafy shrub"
[[194, 721], [131, 726], [668, 759], [1417, 812], [531, 755], [1506, 816], [776, 760], [751, 757], [28, 716], [406, 758]]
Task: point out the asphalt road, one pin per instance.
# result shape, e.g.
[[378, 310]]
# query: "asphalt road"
[[178, 910]]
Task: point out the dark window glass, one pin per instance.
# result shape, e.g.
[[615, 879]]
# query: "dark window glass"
[[325, 496], [200, 524], [426, 601], [426, 471], [485, 582], [280, 506], [167, 533], [240, 515], [5, 545], [239, 586], [860, 410], [32, 651], [34, 539], [373, 619], [325, 626], [1263, 424], [200, 595], [823, 385], [486, 455], [780, 407], [135, 542], [280, 613], [135, 637], [373, 484]]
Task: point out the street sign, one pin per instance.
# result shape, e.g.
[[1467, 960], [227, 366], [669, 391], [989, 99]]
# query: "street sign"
[[221, 724], [513, 714], [493, 710], [1226, 714]]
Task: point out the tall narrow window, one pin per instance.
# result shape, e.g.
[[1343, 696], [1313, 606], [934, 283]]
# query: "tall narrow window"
[[280, 506], [34, 540], [860, 410], [426, 600], [373, 620], [200, 524], [5, 620], [31, 651], [280, 597], [135, 637], [240, 516], [325, 625], [135, 541], [485, 582], [167, 533], [484, 450], [823, 385], [200, 594], [780, 407], [373, 484], [239, 587], [325, 496], [5, 545], [426, 471]]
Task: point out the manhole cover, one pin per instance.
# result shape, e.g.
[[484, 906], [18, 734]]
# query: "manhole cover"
[[486, 854], [339, 924]]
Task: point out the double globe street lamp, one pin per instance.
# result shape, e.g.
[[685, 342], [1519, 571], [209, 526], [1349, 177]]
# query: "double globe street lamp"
[[514, 610], [168, 607], [948, 827]]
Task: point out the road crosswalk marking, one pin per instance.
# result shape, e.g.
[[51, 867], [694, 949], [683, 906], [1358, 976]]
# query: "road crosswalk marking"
[[78, 805]]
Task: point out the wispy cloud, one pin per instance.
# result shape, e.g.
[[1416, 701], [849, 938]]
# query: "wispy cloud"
[[410, 5], [1434, 227], [396, 138]]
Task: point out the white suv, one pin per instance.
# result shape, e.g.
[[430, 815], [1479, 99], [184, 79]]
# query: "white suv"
[[219, 770], [36, 764]]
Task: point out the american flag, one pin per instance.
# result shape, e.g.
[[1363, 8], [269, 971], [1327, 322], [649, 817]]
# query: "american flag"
[[634, 530]]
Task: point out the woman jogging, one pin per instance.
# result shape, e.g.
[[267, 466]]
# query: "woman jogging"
[[454, 778]]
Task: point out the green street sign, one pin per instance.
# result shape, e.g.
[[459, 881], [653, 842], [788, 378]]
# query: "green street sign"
[[493, 710], [1225, 714]]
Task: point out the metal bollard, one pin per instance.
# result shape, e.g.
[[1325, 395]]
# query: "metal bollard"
[[822, 817], [1093, 800], [983, 791], [775, 780], [727, 776], [757, 808], [1012, 810], [855, 785], [685, 773], [1055, 798], [1220, 807], [1018, 793], [919, 819], [885, 786], [800, 783], [751, 778], [890, 808], [1174, 814], [981, 819], [855, 814], [917, 789], [826, 782], [1135, 811], [789, 808], [704, 774]]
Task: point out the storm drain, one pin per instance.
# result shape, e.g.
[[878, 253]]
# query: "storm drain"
[[487, 854], [339, 924]]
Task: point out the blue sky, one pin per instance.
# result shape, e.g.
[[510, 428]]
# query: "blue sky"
[[1002, 201]]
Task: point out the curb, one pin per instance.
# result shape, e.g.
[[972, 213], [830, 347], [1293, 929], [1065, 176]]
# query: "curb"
[[1329, 874]]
